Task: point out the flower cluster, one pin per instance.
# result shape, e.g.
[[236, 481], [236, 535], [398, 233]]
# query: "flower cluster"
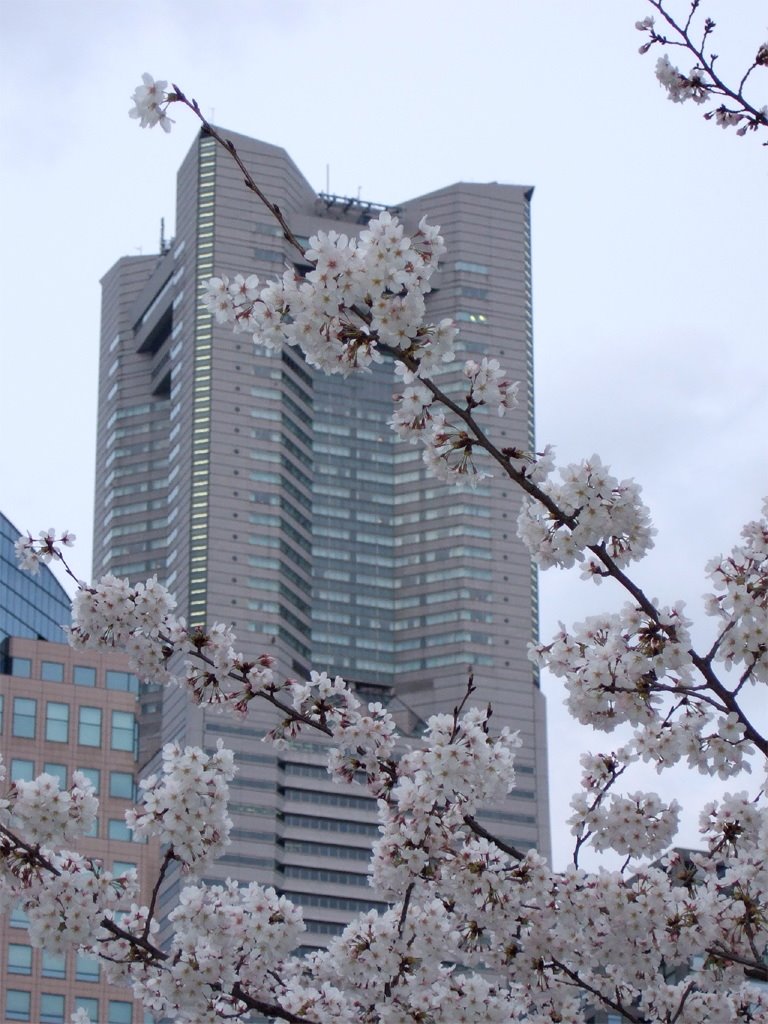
[[637, 825], [113, 613], [362, 293], [693, 86], [595, 509], [438, 786], [489, 386], [185, 806], [611, 664], [224, 937], [69, 901], [43, 813], [449, 451], [741, 602], [150, 104], [31, 554]]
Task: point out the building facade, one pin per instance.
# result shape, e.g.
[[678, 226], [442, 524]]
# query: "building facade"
[[30, 606], [63, 710], [273, 498]]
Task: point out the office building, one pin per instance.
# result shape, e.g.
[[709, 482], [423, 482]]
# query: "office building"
[[63, 710], [31, 606], [274, 498]]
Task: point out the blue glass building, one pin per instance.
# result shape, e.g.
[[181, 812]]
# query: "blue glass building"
[[36, 606]]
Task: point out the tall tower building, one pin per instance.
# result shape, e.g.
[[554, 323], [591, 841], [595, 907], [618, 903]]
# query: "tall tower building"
[[274, 498]]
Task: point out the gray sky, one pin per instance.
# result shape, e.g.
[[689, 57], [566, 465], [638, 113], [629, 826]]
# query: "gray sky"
[[650, 229]]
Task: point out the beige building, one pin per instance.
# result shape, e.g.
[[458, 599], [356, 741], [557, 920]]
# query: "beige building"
[[278, 500], [63, 710]]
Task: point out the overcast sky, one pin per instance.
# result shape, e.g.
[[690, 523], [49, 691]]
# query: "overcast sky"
[[650, 230]]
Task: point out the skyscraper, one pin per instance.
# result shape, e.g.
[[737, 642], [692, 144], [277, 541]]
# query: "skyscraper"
[[276, 499]]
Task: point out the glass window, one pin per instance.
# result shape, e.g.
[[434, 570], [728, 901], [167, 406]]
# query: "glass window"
[[117, 829], [54, 966], [91, 1007], [52, 1009], [58, 771], [94, 777], [86, 968], [123, 730], [89, 727], [22, 770], [121, 867], [122, 681], [19, 958], [21, 667], [120, 1012], [19, 918], [24, 717], [84, 675], [17, 1004], [57, 722], [121, 785], [52, 671]]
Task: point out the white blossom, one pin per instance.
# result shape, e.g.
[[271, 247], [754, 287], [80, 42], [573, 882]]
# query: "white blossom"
[[149, 101]]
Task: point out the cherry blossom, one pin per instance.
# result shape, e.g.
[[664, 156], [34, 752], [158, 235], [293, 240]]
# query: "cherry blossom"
[[475, 929], [149, 99]]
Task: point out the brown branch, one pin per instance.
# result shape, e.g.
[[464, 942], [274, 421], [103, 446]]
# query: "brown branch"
[[718, 86], [250, 183], [474, 826]]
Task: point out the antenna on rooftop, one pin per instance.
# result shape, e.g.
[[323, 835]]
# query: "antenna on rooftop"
[[163, 246], [327, 179]]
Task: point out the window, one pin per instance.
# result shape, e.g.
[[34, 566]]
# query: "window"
[[91, 1007], [19, 958], [54, 966], [52, 1009], [89, 727], [19, 918], [22, 770], [471, 268], [24, 717], [122, 867], [57, 722], [52, 671], [58, 771], [122, 681], [84, 675], [21, 667], [86, 968], [120, 1012], [123, 730], [117, 829], [121, 785], [94, 777], [17, 1004]]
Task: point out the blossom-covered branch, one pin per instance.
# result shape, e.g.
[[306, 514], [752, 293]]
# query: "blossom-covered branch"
[[476, 930], [703, 83]]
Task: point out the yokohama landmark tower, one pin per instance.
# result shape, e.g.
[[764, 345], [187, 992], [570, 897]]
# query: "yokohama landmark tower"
[[275, 499]]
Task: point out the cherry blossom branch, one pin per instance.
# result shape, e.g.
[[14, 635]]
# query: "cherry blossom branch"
[[250, 183], [703, 81], [606, 1000], [479, 830]]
